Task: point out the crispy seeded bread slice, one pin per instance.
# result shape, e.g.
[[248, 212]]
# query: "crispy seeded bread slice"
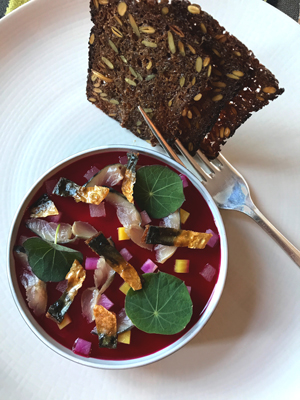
[[180, 65], [259, 87], [134, 60]]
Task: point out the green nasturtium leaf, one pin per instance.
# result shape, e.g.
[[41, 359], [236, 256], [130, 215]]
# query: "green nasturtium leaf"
[[162, 306], [50, 262], [158, 190]]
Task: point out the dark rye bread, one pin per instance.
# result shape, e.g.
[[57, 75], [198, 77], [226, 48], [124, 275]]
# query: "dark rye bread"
[[180, 65], [259, 87]]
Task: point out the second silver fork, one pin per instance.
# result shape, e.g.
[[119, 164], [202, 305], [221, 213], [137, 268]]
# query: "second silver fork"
[[227, 187]]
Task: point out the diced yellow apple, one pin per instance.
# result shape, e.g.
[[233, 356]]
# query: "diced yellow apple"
[[124, 337], [182, 266], [122, 235], [66, 321], [183, 215], [124, 288]]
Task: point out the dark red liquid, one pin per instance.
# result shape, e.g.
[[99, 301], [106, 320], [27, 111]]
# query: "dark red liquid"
[[142, 344]]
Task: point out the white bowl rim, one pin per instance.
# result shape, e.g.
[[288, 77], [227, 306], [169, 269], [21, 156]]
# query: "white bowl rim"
[[136, 362]]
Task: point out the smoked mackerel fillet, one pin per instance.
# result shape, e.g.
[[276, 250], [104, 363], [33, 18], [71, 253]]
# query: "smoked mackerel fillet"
[[196, 82]]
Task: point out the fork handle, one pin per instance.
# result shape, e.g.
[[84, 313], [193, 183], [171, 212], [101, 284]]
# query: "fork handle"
[[263, 222]]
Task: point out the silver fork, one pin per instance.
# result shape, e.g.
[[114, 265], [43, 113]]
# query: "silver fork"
[[227, 187]]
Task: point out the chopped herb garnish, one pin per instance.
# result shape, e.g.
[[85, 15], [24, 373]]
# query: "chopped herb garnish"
[[162, 306], [50, 262], [158, 190], [56, 234]]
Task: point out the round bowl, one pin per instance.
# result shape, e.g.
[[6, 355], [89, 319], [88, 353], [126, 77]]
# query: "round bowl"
[[187, 335]]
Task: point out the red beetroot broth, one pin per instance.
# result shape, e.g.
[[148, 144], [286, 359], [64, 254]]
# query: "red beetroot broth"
[[142, 344]]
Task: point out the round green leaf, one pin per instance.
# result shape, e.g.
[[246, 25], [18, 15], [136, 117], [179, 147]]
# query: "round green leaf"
[[162, 306], [158, 190], [50, 262]]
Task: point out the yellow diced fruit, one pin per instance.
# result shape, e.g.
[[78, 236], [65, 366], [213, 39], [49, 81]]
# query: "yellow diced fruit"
[[122, 235], [125, 287], [182, 266], [183, 215], [64, 322], [124, 337]]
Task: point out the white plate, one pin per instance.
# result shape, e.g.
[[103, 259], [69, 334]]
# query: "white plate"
[[251, 346]]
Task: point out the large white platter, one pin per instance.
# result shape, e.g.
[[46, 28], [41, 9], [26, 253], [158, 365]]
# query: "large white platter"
[[250, 348]]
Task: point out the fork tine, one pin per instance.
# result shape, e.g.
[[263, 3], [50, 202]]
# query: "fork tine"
[[203, 174], [223, 161], [217, 163], [159, 137], [169, 149], [211, 167]]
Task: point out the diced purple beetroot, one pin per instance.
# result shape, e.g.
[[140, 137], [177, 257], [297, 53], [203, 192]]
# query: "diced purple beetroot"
[[82, 347], [97, 210], [55, 218], [62, 286], [91, 172], [91, 263], [145, 218], [105, 302], [208, 272], [184, 179], [149, 266], [214, 239], [189, 288], [125, 254], [123, 160], [50, 185]]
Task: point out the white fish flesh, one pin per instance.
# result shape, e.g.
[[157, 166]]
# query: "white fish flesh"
[[124, 323], [103, 277], [135, 232], [126, 212], [89, 299], [36, 290], [163, 253], [83, 230], [108, 176], [47, 230]]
